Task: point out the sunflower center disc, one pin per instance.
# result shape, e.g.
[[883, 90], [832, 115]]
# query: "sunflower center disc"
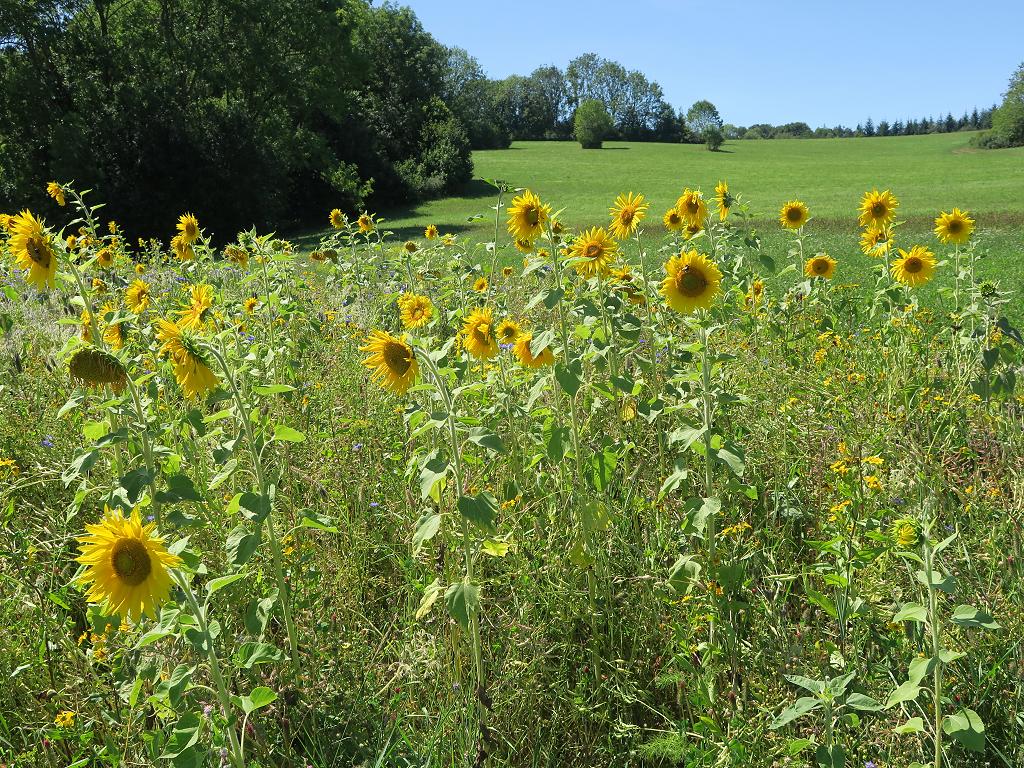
[[37, 252], [130, 561], [878, 210], [793, 214], [533, 216], [913, 266], [821, 267], [692, 283], [954, 227], [397, 358], [626, 217], [593, 251]]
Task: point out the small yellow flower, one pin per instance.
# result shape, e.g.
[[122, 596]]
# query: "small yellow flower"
[[64, 719], [54, 190], [793, 215], [337, 219], [480, 285], [430, 232]]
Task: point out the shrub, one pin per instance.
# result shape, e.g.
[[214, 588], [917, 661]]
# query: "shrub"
[[592, 124], [713, 138], [1008, 120]]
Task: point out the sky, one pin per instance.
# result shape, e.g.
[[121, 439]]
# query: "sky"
[[761, 61]]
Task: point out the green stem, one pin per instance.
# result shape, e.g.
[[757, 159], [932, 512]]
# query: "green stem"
[[933, 617]]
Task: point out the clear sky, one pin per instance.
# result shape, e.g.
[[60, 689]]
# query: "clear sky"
[[761, 61]]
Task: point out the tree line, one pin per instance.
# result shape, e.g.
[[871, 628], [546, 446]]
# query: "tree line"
[[974, 121]]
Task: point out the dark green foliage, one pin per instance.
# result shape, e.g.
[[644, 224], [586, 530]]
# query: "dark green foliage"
[[713, 138], [1008, 120], [592, 124]]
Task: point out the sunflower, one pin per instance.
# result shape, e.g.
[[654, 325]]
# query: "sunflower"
[[525, 354], [507, 271], [125, 565], [691, 282], [114, 333], [821, 265], [754, 294], [508, 331], [365, 223], [85, 330], [98, 286], [877, 209], [876, 242], [527, 216], [724, 199], [692, 206], [692, 229], [430, 232], [955, 227], [905, 533], [54, 190], [193, 374], [97, 368], [105, 258], [410, 246], [673, 220], [337, 219], [914, 268], [6, 222], [136, 298], [140, 269], [250, 305], [480, 285], [793, 215], [478, 333], [627, 213], [415, 310], [182, 250], [195, 315], [32, 248], [188, 228], [448, 239], [524, 246], [237, 255], [593, 251], [392, 362]]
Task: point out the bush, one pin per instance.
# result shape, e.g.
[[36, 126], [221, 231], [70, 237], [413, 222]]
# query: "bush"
[[713, 138], [1008, 120], [592, 124], [989, 140]]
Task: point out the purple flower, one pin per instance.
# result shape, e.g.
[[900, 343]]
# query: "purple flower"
[[374, 504], [47, 442], [357, 446], [870, 764]]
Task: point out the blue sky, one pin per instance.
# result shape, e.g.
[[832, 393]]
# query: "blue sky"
[[822, 62]]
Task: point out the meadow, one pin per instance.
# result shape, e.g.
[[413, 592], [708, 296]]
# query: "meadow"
[[554, 487]]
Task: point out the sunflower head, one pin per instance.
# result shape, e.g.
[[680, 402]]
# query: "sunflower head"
[[478, 334], [692, 206], [182, 250], [365, 223], [876, 242], [507, 271], [188, 228], [793, 215], [915, 267], [529, 357], [31, 245], [337, 219], [410, 247], [137, 297], [673, 220], [724, 199], [430, 232], [94, 367], [250, 304], [627, 212], [593, 252], [480, 284], [527, 216], [822, 265], [955, 227], [877, 209], [692, 229], [237, 255], [415, 310], [114, 333], [188, 360], [524, 246], [392, 362], [691, 282], [508, 331], [197, 313], [126, 565], [905, 533], [56, 191]]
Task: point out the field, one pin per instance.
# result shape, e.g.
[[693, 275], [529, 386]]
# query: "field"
[[621, 497]]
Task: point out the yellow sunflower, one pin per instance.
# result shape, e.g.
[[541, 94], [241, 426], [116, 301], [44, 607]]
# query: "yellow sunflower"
[[627, 213], [392, 362], [480, 285], [85, 331], [691, 282], [410, 246], [914, 268], [724, 199], [188, 228], [508, 331], [692, 229], [98, 286], [478, 334], [365, 223], [793, 215], [524, 246], [821, 265], [955, 227], [237, 255], [32, 248], [337, 219], [136, 298], [430, 232], [196, 314], [114, 333], [673, 220], [105, 258], [525, 354], [876, 242], [877, 209], [593, 252], [250, 304], [54, 190], [191, 370], [507, 271], [126, 565], [182, 250], [692, 206], [527, 216], [415, 310]]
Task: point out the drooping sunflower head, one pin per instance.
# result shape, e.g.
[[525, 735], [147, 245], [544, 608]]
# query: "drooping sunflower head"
[[196, 314], [365, 223], [915, 267], [627, 212], [724, 199], [692, 229], [56, 191], [188, 228], [692, 206], [337, 219], [822, 265], [114, 333], [529, 357], [480, 285], [237, 255], [691, 282], [137, 297], [955, 227], [524, 246], [31, 245], [478, 334], [182, 250], [410, 247], [188, 360], [415, 310], [673, 220], [876, 242], [527, 216], [392, 362], [507, 332], [430, 232], [126, 565], [593, 252], [877, 209], [793, 215], [97, 368]]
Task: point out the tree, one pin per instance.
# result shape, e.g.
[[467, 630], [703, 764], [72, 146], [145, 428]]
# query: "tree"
[[1008, 119], [702, 116], [713, 138], [471, 96], [592, 124]]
